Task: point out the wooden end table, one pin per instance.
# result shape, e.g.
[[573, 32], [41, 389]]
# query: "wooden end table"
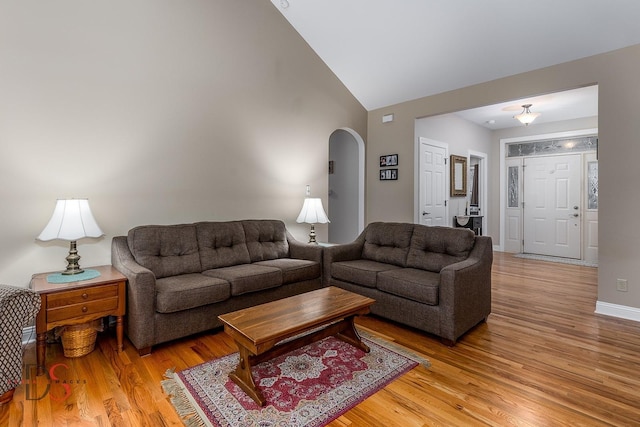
[[75, 303], [259, 331]]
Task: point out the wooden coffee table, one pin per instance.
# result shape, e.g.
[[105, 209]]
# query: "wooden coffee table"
[[259, 331]]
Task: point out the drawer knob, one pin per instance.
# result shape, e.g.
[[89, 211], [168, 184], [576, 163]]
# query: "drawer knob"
[[85, 295], [84, 309]]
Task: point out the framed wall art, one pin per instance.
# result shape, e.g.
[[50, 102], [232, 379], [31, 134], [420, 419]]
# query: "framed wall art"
[[388, 160], [388, 174]]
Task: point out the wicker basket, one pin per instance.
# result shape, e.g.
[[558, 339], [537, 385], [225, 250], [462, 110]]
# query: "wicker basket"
[[79, 340]]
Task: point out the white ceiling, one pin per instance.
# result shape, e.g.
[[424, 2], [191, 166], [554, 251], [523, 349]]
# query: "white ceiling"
[[554, 107], [391, 51]]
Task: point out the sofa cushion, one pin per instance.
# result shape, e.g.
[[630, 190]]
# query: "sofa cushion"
[[360, 272], [294, 270], [221, 244], [177, 293], [387, 242], [266, 239], [411, 283], [166, 250], [246, 278], [433, 248]]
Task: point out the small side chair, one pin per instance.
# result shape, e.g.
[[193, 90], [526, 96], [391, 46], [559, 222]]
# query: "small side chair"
[[18, 307]]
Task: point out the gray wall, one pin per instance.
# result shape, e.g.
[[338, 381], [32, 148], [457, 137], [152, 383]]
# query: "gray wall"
[[158, 111], [617, 75]]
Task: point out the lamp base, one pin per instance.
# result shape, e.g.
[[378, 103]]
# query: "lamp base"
[[72, 260], [70, 271], [312, 235]]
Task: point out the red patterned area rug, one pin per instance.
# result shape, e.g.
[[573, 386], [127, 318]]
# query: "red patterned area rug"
[[310, 386]]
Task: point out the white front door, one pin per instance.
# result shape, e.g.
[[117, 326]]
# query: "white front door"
[[552, 222], [433, 183]]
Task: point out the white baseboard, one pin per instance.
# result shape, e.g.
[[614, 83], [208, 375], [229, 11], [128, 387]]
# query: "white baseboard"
[[615, 310], [28, 335]]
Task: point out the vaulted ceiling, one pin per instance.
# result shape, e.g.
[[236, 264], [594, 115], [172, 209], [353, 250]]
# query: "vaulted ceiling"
[[387, 52]]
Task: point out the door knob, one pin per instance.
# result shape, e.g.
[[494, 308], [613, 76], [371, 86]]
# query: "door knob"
[[575, 215], [426, 213]]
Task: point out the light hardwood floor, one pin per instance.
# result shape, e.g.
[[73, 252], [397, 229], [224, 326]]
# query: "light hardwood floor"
[[543, 358]]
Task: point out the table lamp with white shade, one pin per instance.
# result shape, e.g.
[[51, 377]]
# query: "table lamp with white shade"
[[71, 220], [312, 213]]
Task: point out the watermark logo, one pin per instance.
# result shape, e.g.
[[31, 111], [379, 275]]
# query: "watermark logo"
[[58, 388]]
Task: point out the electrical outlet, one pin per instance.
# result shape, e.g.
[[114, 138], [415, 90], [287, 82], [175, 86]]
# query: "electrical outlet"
[[622, 285]]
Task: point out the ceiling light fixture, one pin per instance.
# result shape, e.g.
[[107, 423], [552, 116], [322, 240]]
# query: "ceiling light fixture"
[[526, 117]]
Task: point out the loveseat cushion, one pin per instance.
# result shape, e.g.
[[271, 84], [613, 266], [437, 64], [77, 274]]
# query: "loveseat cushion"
[[414, 284], [433, 248], [221, 244], [186, 291], [266, 239], [387, 243], [294, 270], [166, 250], [360, 272], [246, 278]]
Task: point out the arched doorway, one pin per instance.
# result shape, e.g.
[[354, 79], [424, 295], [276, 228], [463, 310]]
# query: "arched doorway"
[[346, 185]]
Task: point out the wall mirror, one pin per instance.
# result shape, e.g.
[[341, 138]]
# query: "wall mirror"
[[474, 198], [458, 177]]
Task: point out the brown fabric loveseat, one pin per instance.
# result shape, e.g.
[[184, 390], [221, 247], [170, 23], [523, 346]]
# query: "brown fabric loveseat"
[[436, 279], [181, 277]]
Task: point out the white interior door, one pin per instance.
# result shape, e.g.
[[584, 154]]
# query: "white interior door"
[[433, 183], [552, 223]]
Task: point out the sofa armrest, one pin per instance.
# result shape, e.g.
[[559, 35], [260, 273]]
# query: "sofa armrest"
[[465, 291], [141, 289], [344, 252], [18, 307], [299, 250]]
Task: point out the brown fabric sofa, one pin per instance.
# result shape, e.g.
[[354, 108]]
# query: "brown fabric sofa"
[[181, 277], [436, 279]]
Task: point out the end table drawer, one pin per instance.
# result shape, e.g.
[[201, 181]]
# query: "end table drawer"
[[79, 296], [82, 302], [78, 310]]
